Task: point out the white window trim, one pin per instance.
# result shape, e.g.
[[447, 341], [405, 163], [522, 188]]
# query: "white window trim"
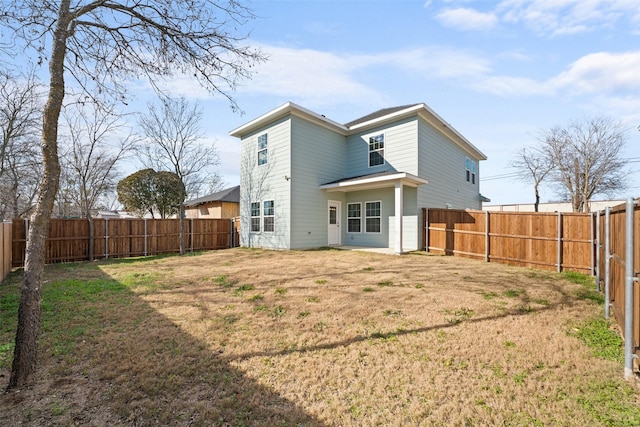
[[251, 217], [360, 218], [265, 216], [365, 217], [265, 149], [384, 141]]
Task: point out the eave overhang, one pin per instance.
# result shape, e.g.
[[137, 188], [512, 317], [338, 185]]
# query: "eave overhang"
[[370, 182]]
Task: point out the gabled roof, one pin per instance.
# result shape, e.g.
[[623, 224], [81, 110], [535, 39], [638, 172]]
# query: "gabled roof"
[[377, 114], [375, 119], [229, 195]]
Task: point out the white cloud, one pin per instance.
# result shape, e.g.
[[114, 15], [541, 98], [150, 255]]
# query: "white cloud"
[[467, 19], [312, 76], [601, 72], [561, 17]]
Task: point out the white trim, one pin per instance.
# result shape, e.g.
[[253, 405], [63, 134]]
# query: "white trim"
[[369, 151], [338, 205], [378, 181], [282, 111], [365, 217], [422, 110], [360, 218]]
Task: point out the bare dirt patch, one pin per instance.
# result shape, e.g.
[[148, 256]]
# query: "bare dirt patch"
[[252, 337]]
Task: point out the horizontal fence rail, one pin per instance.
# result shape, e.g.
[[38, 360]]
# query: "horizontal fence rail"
[[69, 240], [550, 241]]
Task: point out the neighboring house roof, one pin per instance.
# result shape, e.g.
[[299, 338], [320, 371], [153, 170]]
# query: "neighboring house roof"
[[375, 119], [229, 195]]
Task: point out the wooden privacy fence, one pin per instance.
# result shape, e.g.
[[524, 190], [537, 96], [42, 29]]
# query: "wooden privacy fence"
[[68, 239], [5, 249], [614, 273], [550, 241]]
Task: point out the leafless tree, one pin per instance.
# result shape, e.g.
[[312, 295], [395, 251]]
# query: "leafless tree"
[[254, 186], [20, 109], [586, 156], [172, 142], [101, 44], [533, 166], [97, 142]]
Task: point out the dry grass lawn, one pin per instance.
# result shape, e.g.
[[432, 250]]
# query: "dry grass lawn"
[[312, 338]]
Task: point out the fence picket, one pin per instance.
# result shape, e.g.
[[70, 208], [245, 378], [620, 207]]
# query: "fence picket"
[[68, 239]]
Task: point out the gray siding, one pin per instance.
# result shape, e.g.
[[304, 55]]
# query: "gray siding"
[[266, 182], [380, 240], [442, 163], [400, 152], [318, 156]]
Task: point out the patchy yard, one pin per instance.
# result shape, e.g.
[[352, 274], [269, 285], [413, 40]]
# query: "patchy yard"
[[315, 338]]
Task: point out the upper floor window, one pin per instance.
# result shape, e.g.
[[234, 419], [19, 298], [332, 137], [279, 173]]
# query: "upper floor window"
[[470, 166], [262, 149], [376, 150]]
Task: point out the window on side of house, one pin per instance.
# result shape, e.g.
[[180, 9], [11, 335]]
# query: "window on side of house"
[[470, 168], [255, 217], [263, 153], [376, 150], [467, 167], [268, 213], [354, 217], [473, 172], [373, 217]]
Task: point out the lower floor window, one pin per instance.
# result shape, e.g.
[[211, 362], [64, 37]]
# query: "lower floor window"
[[255, 216], [353, 217], [373, 218], [268, 214]]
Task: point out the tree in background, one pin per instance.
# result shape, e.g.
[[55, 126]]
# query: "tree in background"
[[170, 194], [92, 151], [172, 141], [101, 44], [586, 159], [533, 166], [149, 192], [20, 169]]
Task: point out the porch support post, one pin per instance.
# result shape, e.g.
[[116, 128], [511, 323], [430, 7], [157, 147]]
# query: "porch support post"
[[399, 213]]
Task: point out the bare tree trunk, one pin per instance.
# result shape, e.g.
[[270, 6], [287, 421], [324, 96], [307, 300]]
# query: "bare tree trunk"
[[25, 354], [537, 199]]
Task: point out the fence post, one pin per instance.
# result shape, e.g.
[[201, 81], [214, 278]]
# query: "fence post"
[[426, 229], [591, 223], [486, 238], [26, 232], [191, 234], [628, 294], [607, 261], [145, 236], [106, 238], [597, 246], [232, 243], [559, 242]]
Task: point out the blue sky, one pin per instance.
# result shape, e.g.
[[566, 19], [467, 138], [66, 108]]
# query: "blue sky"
[[498, 71]]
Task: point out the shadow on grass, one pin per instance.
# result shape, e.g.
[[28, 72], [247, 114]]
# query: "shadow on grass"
[[108, 358], [522, 310]]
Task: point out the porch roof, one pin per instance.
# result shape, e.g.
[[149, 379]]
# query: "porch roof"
[[373, 181]]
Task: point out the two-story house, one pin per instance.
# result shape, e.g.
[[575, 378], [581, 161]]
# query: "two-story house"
[[307, 181]]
